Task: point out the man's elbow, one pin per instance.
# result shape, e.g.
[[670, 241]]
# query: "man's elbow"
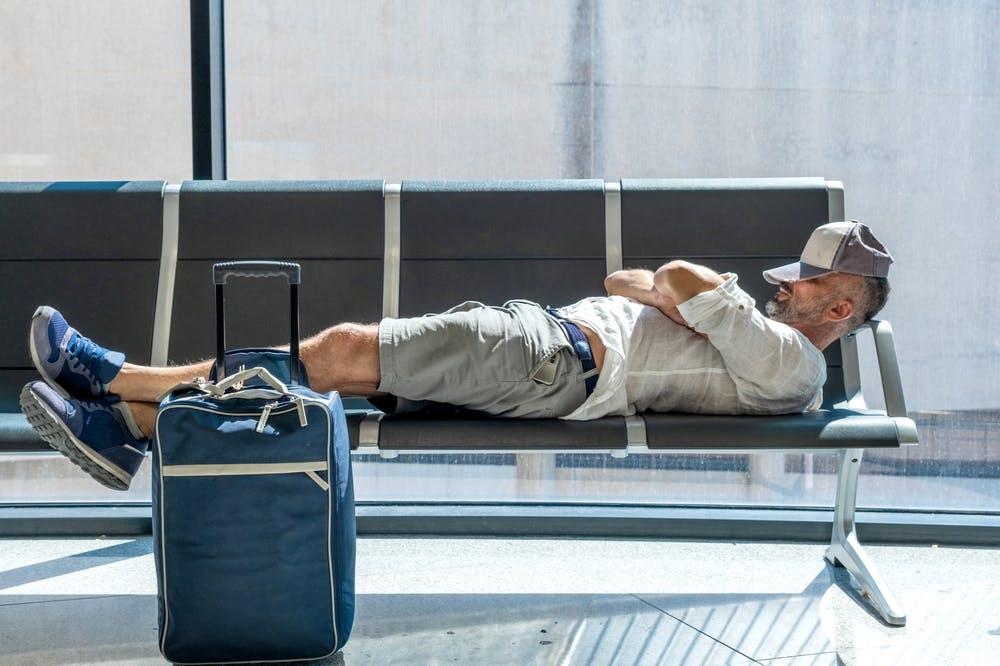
[[609, 284]]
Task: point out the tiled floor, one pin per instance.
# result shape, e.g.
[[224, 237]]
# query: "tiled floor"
[[531, 601]]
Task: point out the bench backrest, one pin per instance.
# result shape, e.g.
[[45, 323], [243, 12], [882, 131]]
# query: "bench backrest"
[[494, 241]]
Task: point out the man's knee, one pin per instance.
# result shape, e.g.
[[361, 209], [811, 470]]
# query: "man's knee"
[[353, 338], [365, 332], [345, 355]]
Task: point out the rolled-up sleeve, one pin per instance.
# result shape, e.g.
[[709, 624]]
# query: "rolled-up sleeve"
[[775, 368]]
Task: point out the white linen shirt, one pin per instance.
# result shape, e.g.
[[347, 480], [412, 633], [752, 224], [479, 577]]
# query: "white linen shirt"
[[735, 361]]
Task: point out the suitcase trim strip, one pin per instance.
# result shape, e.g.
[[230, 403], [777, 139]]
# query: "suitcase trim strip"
[[248, 469]]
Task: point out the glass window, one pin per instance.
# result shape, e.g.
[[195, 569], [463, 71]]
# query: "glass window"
[[447, 89], [95, 91], [897, 101]]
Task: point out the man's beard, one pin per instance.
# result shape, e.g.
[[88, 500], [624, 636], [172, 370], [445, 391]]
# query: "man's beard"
[[777, 311], [790, 312]]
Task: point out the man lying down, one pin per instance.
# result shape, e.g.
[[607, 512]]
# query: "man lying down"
[[683, 338]]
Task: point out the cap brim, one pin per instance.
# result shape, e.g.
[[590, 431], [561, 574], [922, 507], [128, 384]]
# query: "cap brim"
[[794, 271]]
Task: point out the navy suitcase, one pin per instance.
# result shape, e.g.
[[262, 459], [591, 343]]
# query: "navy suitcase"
[[253, 507]]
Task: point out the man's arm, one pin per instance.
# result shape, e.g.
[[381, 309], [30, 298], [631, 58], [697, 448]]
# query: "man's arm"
[[672, 283], [635, 283], [681, 280]]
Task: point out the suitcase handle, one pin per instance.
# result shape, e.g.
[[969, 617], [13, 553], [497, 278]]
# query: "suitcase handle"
[[225, 270], [221, 272], [229, 382]]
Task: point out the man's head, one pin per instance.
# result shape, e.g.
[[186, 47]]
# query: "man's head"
[[839, 283]]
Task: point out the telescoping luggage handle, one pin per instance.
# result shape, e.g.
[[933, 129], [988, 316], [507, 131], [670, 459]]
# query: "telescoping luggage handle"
[[228, 269]]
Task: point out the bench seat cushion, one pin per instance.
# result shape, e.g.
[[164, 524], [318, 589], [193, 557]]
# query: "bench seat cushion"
[[826, 429], [17, 435], [468, 432]]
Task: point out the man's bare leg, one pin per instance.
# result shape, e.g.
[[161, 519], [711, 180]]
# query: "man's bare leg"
[[144, 415], [141, 383], [341, 358]]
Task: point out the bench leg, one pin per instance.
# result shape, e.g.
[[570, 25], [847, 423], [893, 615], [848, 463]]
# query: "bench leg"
[[845, 550]]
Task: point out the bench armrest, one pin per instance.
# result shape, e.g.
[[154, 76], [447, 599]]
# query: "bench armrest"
[[888, 365]]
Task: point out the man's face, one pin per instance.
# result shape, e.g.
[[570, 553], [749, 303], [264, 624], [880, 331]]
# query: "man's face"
[[801, 302]]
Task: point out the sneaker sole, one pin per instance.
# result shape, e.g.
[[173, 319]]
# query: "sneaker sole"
[[35, 359], [51, 429]]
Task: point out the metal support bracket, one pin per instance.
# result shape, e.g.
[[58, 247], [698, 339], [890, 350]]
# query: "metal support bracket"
[[168, 274], [845, 550], [635, 432]]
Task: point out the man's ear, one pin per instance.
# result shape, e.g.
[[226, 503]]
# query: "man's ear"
[[840, 310]]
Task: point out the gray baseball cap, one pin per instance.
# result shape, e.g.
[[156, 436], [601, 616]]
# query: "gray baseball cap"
[[837, 247]]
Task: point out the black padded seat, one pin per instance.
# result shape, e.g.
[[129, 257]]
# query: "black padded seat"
[[833, 429], [91, 250], [334, 229], [492, 241], [464, 432], [829, 429]]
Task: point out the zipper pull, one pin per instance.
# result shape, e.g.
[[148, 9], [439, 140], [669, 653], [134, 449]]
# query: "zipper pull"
[[300, 405], [264, 414]]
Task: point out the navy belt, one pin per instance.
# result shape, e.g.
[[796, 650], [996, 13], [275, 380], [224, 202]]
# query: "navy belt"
[[582, 349]]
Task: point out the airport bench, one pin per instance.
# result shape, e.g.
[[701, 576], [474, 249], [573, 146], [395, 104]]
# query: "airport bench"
[[370, 249]]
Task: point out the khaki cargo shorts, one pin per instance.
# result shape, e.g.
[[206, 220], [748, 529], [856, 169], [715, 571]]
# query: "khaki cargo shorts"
[[514, 360]]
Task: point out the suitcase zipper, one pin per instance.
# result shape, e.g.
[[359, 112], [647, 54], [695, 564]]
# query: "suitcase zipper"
[[265, 413], [296, 402]]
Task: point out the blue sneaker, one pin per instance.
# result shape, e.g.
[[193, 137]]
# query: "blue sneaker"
[[100, 435], [74, 365]]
